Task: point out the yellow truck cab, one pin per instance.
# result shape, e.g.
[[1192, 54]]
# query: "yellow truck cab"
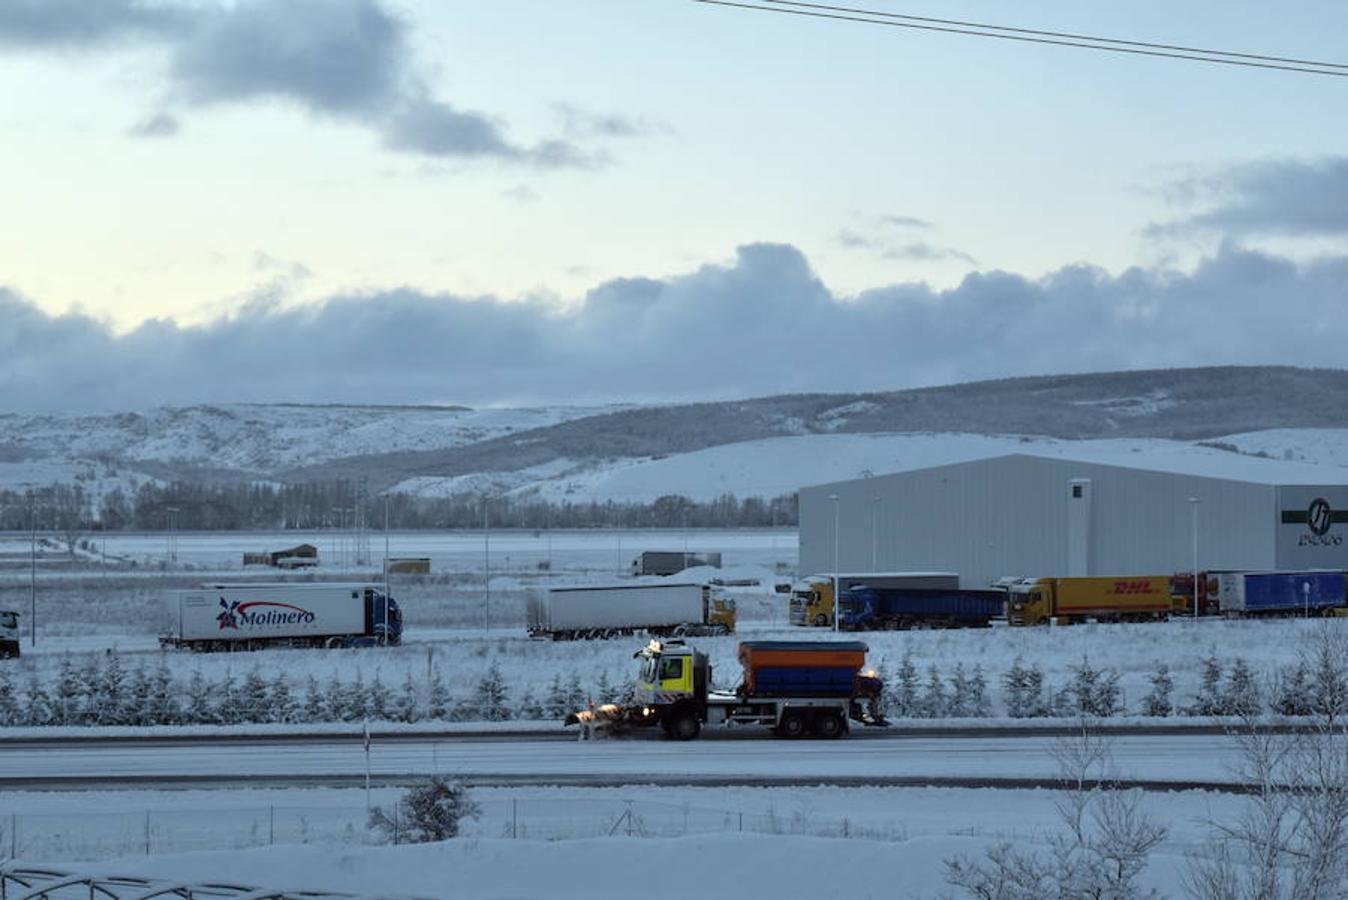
[[812, 602], [672, 687], [722, 615]]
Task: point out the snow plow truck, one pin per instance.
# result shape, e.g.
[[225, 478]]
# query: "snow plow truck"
[[796, 688]]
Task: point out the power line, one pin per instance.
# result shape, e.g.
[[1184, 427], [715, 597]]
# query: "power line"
[[1060, 34], [1031, 36]]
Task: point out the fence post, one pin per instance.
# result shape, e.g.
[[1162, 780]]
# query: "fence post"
[[397, 835], [741, 821], [13, 835], [147, 832], [271, 826], [514, 817]]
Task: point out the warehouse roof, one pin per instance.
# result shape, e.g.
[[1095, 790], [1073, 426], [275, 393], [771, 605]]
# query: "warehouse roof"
[[1202, 462]]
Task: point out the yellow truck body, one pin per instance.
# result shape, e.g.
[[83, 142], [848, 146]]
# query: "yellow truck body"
[[1038, 601]]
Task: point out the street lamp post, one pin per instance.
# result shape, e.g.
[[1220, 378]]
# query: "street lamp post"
[[32, 564], [486, 561], [875, 532], [386, 576], [1193, 507], [837, 581]]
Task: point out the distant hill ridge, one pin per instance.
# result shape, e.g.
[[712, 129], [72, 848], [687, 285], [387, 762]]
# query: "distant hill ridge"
[[1178, 404], [389, 445]]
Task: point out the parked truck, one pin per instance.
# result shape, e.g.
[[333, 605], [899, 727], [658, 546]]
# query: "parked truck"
[[1182, 594], [866, 608], [671, 562], [251, 616], [1280, 593], [812, 597], [1066, 601], [605, 611], [9, 634], [794, 687]]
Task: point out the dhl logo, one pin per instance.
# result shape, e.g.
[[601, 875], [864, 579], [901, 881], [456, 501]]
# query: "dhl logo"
[[1134, 587]]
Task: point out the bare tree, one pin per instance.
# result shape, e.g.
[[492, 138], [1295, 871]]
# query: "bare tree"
[[1099, 855], [1291, 841]]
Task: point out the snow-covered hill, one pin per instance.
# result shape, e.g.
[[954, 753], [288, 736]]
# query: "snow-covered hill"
[[762, 447], [241, 441], [777, 466]]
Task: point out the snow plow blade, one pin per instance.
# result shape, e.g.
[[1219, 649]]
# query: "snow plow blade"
[[609, 714]]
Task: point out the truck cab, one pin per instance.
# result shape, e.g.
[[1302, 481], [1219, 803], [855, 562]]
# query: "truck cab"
[[812, 602], [386, 629], [720, 611], [672, 687], [1029, 601], [9, 634]]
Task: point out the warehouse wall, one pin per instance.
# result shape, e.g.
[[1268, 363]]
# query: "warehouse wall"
[[1011, 516]]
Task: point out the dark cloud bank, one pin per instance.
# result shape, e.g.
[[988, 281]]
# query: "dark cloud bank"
[[762, 324]]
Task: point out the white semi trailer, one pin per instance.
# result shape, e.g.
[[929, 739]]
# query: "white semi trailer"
[[603, 611], [250, 616]]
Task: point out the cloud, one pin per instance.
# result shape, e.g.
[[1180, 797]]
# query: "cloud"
[[580, 123], [923, 250], [158, 125], [43, 24], [1271, 197], [349, 60], [918, 250], [758, 324], [904, 222], [334, 56]]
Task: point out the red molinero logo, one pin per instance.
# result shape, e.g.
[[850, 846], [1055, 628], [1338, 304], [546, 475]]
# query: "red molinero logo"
[[246, 612]]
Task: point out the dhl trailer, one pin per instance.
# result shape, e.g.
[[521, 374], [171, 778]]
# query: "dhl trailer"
[[1068, 601]]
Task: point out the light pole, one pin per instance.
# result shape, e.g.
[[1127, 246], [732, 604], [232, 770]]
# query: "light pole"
[[1193, 518], [32, 564], [172, 533], [837, 582], [386, 568], [486, 562], [875, 532]]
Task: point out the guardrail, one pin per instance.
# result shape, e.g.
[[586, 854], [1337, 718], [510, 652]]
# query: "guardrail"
[[41, 883]]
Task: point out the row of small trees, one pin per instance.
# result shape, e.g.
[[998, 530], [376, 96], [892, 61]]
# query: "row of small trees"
[[103, 691], [71, 511]]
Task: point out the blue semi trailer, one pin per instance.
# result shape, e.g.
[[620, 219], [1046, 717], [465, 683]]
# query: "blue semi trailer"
[[1280, 593], [867, 608]]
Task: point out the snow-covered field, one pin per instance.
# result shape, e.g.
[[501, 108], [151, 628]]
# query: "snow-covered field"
[[455, 628], [749, 842]]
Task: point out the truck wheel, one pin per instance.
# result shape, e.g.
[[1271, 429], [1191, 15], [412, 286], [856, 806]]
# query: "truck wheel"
[[684, 726], [820, 620], [792, 725], [828, 725]]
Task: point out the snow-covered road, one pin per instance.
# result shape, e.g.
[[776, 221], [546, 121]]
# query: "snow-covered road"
[[1153, 759]]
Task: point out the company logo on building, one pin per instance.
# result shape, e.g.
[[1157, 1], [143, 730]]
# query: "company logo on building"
[[255, 613], [1318, 518]]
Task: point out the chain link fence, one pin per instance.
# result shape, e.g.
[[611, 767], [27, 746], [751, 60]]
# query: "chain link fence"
[[91, 836]]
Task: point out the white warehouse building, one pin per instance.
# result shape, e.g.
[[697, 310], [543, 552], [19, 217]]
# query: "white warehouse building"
[[1037, 516]]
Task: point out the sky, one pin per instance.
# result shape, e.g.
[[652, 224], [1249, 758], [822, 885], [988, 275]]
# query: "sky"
[[540, 201]]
